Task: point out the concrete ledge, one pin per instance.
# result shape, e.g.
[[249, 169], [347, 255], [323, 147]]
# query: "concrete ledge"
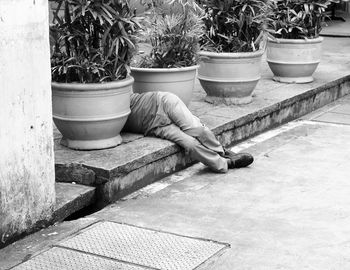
[[140, 160]]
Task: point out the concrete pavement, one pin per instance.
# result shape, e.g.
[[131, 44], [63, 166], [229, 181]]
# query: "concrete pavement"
[[289, 210]]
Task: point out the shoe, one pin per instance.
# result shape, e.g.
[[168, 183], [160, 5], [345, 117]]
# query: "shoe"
[[239, 160]]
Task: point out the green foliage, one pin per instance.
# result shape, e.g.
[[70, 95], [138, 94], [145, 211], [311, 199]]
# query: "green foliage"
[[92, 41], [298, 19], [173, 32], [234, 25]]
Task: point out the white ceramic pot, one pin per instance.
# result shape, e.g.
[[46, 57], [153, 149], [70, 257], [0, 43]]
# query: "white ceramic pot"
[[179, 81], [294, 60], [91, 116], [229, 78]]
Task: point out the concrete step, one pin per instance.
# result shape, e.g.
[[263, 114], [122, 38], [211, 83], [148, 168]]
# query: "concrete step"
[[72, 201], [140, 160], [72, 198]]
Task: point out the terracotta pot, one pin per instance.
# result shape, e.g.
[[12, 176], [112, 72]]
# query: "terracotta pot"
[[229, 78], [91, 116], [294, 60], [179, 81]]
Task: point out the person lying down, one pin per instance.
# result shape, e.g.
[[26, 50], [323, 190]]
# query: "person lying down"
[[164, 115]]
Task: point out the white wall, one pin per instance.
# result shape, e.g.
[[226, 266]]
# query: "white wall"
[[27, 192]]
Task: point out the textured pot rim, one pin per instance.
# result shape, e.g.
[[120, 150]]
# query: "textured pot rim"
[[232, 54], [295, 41], [92, 86], [160, 70]]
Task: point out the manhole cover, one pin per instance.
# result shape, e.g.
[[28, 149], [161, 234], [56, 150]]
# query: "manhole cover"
[[144, 247], [64, 259]]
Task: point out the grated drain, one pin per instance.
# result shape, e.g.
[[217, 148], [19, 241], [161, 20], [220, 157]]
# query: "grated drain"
[[144, 247], [64, 259]]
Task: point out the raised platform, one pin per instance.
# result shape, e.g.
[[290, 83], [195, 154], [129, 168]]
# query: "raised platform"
[[143, 160]]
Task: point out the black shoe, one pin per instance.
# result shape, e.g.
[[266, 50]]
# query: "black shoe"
[[239, 160]]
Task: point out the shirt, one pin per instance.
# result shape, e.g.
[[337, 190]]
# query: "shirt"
[[147, 113]]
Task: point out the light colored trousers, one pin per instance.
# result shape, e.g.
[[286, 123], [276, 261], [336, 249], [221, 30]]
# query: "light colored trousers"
[[186, 130]]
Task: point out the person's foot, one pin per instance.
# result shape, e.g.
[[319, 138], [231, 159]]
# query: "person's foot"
[[239, 160]]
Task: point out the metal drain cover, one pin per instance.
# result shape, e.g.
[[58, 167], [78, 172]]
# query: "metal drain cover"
[[64, 259], [144, 247]]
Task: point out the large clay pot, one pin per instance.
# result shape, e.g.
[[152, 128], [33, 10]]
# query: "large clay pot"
[[229, 78], [179, 81], [294, 60], [91, 116]]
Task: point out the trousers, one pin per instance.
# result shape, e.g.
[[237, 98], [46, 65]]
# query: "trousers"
[[184, 129]]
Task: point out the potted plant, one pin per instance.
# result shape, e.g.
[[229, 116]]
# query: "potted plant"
[[92, 46], [172, 29], [294, 47], [233, 43]]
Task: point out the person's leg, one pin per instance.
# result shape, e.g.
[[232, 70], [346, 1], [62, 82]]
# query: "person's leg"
[[191, 145], [178, 112], [207, 138], [181, 116]]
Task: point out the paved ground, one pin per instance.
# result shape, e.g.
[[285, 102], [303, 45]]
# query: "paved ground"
[[289, 210]]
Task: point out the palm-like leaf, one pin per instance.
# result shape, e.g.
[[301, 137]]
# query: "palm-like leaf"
[[93, 41], [234, 25], [298, 19], [174, 36]]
